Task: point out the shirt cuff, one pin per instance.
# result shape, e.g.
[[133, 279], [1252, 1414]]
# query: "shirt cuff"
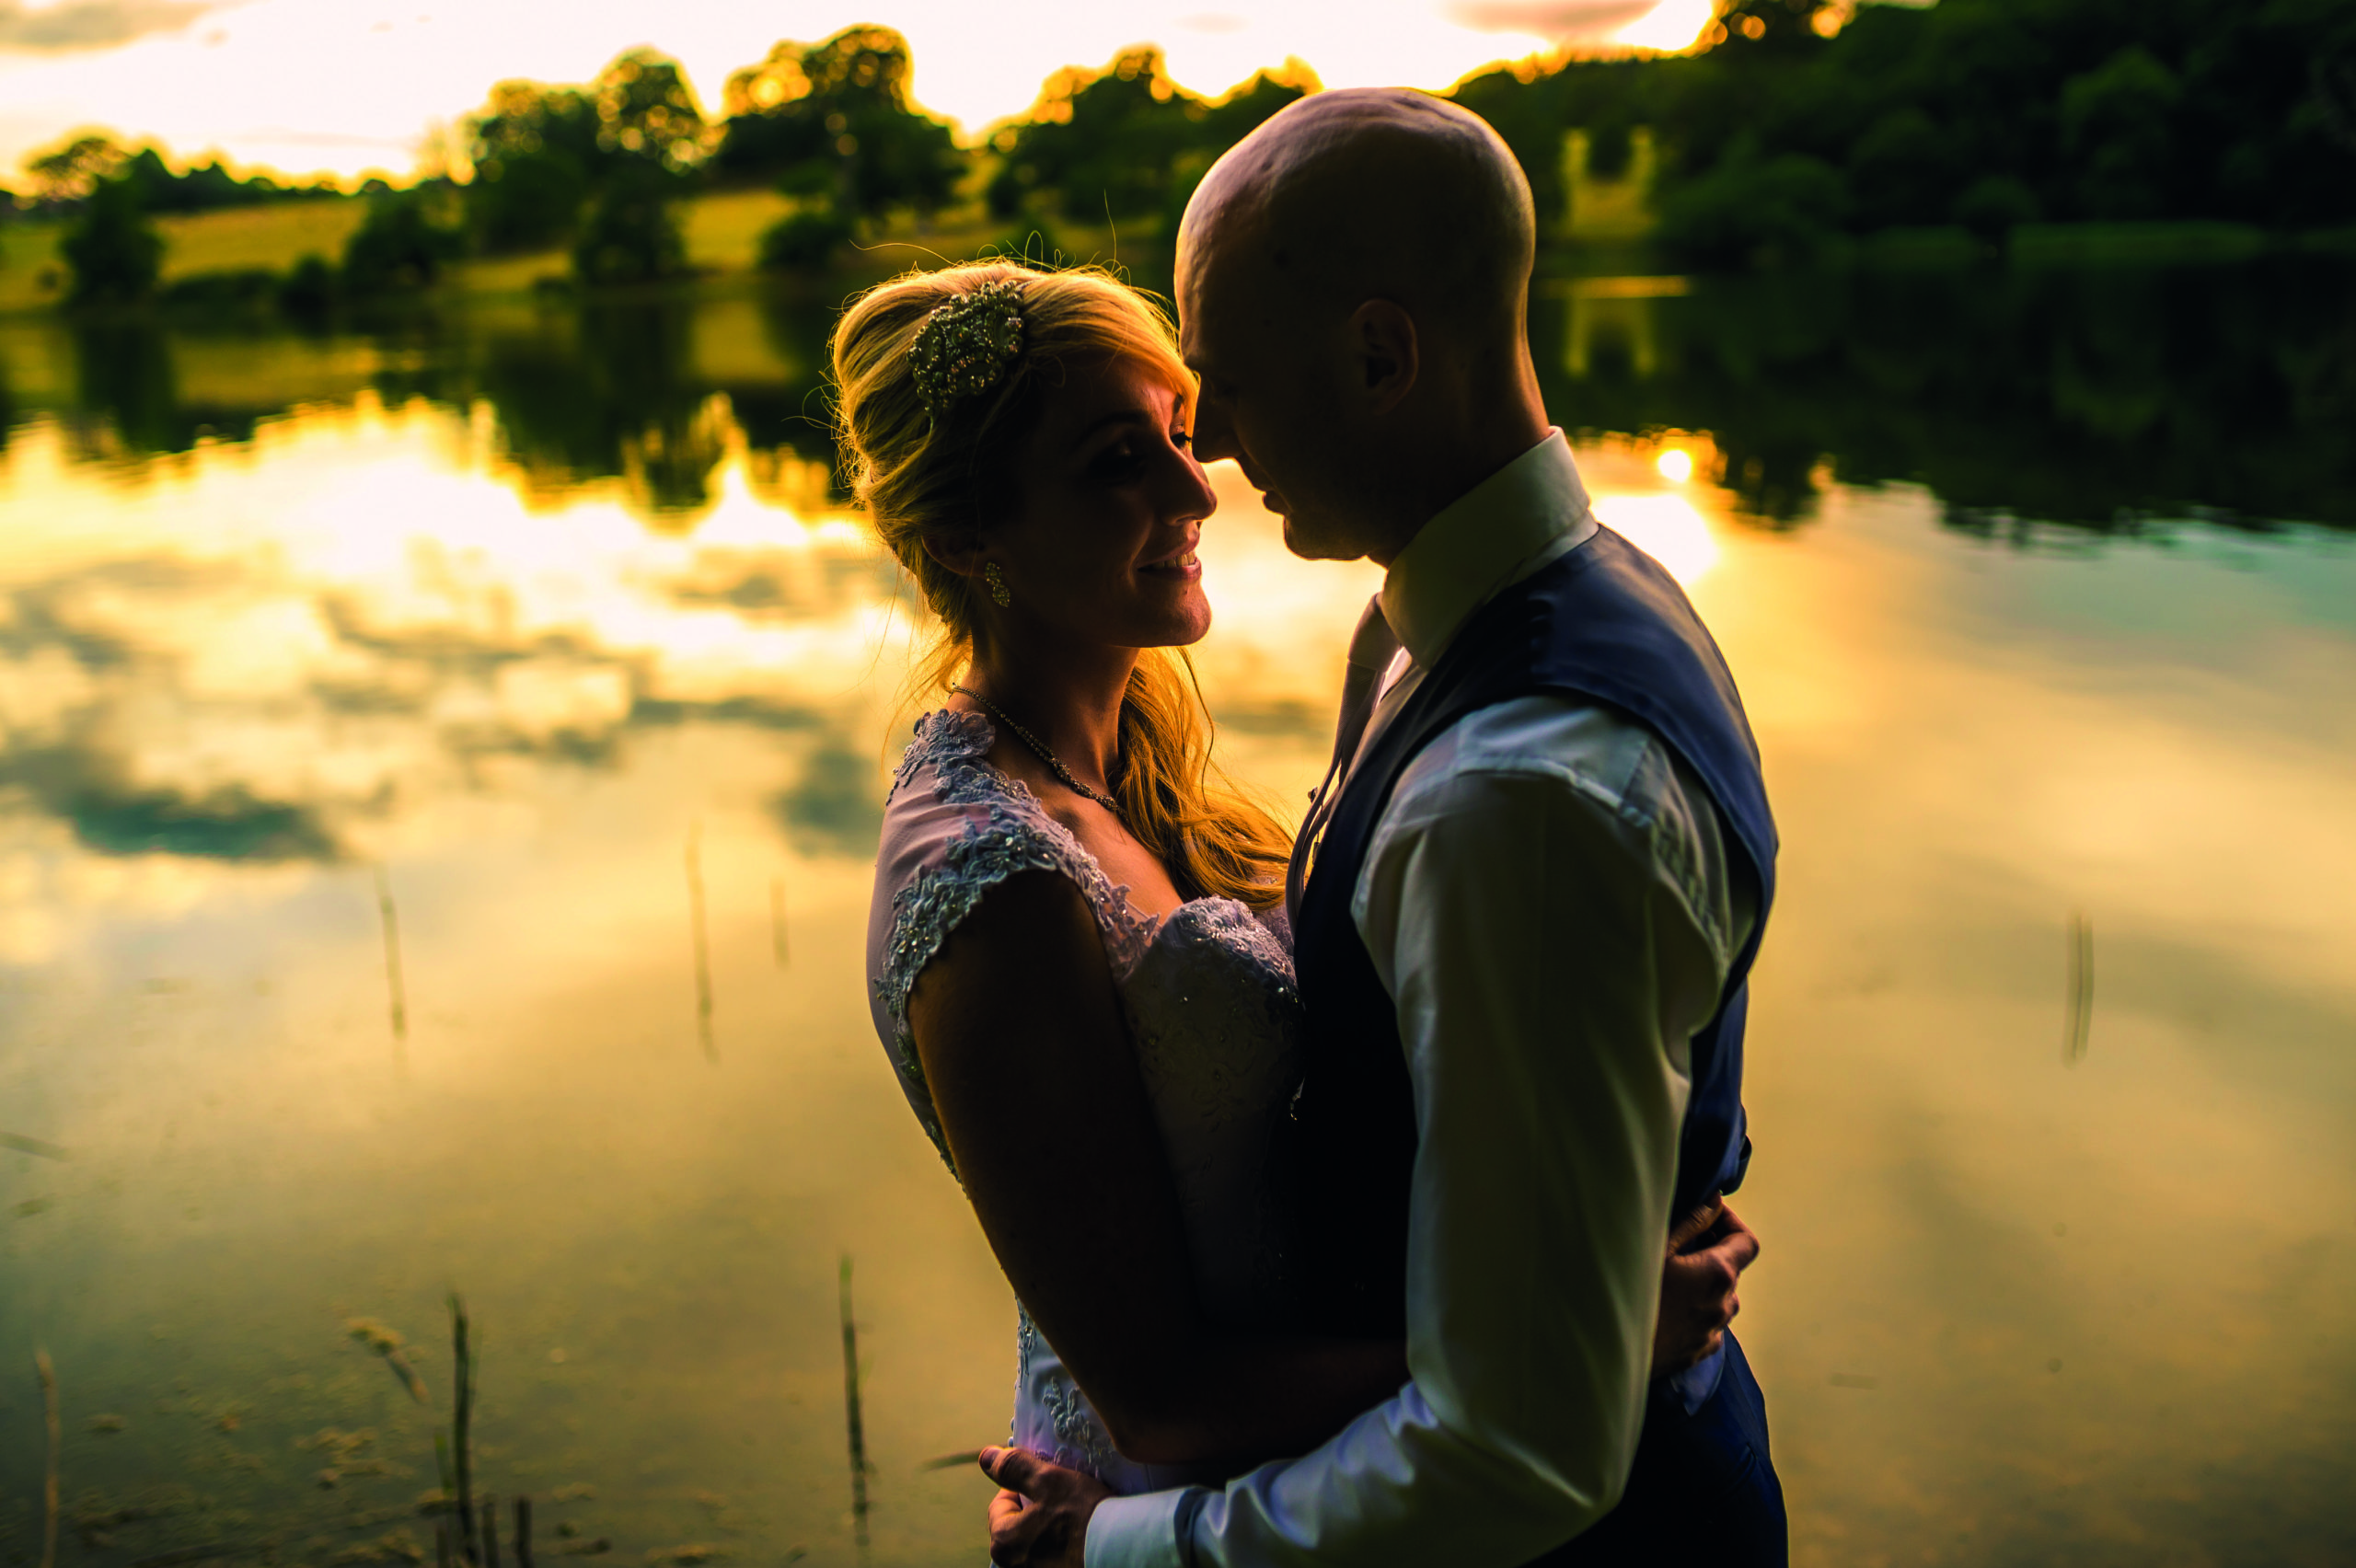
[[1136, 1532]]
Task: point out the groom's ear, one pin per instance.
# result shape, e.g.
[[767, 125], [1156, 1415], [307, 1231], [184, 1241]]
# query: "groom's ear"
[[1382, 338]]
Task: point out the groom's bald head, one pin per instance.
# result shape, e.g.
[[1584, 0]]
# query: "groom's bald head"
[[1372, 193], [1353, 282]]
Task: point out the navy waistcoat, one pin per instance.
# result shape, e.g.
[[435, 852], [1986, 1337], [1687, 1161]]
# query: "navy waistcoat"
[[1604, 624]]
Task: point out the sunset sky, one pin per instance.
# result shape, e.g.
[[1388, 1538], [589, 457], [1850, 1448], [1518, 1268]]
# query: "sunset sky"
[[348, 85]]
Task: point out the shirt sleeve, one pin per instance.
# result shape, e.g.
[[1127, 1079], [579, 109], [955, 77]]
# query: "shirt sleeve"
[[1546, 903]]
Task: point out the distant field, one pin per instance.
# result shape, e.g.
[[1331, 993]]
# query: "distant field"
[[723, 228], [723, 231], [25, 250], [274, 237]]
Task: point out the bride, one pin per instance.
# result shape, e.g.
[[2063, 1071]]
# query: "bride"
[[1078, 952]]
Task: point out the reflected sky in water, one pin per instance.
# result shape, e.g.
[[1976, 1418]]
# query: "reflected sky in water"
[[350, 603]]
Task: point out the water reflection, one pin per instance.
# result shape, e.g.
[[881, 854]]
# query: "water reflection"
[[2079, 396], [267, 688], [2091, 399], [651, 394], [518, 603]]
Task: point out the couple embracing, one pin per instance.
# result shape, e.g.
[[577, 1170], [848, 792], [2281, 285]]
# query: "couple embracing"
[[1362, 1192]]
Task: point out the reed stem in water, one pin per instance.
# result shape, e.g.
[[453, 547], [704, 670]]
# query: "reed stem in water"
[[702, 947], [395, 991], [462, 1457], [56, 1440], [2081, 990], [777, 920], [858, 1432]]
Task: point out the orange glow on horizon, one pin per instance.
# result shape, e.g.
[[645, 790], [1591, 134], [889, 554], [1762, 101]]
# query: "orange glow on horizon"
[[337, 85]]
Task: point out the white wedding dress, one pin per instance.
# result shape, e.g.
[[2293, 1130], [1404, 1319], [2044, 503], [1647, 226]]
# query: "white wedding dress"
[[1213, 1018]]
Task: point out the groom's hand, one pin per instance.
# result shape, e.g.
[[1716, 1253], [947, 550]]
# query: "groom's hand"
[[1706, 1256], [1039, 1520]]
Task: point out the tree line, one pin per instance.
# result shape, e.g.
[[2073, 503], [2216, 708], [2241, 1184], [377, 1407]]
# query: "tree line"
[[1802, 122], [1793, 126]]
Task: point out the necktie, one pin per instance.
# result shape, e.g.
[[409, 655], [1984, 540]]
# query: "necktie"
[[1373, 647]]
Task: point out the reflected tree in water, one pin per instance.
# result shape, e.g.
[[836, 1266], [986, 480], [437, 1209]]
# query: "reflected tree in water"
[[792, 415], [127, 396], [127, 401], [2079, 396], [2073, 395], [605, 393]]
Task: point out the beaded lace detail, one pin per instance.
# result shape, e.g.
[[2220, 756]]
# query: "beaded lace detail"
[[1208, 998], [1080, 1440], [1014, 835]]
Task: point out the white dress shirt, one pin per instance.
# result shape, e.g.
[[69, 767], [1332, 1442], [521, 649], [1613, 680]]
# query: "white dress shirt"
[[1547, 899]]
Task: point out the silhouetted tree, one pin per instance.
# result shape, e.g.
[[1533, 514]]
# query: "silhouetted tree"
[[534, 148], [833, 121], [1752, 207], [806, 241], [2119, 130], [114, 252], [307, 293], [629, 236], [1127, 142], [400, 247], [1981, 113], [74, 168], [202, 188], [541, 152], [647, 115], [1993, 205]]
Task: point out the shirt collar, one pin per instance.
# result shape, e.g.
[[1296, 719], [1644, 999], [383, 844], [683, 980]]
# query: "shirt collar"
[[1482, 542]]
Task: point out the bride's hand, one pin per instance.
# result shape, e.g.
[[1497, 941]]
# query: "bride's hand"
[[1706, 1256], [1039, 1520]]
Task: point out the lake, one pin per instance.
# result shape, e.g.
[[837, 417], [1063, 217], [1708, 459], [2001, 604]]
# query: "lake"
[[440, 761]]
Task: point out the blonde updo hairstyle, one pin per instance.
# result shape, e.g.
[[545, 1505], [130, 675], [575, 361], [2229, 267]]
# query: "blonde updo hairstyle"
[[920, 477]]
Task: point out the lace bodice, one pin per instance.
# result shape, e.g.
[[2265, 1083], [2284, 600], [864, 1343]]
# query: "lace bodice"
[[1213, 1016]]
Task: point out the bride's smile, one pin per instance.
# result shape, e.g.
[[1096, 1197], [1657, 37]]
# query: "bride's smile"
[[1182, 566], [1108, 505]]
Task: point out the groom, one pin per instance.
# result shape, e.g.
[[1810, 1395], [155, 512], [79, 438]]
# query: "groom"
[[1525, 903]]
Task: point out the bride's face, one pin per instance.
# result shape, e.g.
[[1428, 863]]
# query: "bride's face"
[[1109, 505]]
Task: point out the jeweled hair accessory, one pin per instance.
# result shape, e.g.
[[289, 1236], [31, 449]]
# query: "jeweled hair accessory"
[[965, 345]]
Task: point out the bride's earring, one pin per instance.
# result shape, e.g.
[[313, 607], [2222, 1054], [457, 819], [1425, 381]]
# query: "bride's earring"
[[997, 579]]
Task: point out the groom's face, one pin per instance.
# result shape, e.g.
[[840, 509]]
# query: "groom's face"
[[1268, 398]]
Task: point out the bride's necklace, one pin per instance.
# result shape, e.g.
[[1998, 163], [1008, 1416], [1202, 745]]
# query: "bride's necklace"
[[1053, 762]]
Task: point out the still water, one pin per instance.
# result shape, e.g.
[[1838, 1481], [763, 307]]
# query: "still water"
[[534, 645]]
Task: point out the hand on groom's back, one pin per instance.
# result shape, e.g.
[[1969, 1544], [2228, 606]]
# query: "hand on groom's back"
[[1707, 1254], [1039, 1520]]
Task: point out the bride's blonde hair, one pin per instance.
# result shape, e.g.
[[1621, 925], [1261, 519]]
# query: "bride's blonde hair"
[[920, 477]]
